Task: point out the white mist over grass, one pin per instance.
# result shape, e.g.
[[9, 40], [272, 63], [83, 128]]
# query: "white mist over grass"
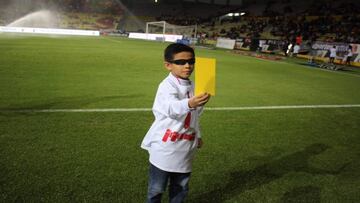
[[39, 19], [46, 14]]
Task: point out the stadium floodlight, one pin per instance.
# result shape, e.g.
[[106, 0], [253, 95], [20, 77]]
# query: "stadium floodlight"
[[162, 27]]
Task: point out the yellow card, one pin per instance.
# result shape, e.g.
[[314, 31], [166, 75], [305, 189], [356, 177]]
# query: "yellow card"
[[205, 76]]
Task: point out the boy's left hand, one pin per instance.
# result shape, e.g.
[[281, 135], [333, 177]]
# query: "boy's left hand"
[[200, 143]]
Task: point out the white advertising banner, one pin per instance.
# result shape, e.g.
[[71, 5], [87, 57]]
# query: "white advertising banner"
[[155, 37], [225, 43], [340, 47], [49, 31]]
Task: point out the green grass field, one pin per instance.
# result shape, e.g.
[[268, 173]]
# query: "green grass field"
[[273, 155]]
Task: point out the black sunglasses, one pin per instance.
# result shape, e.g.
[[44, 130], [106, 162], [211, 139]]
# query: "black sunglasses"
[[183, 61]]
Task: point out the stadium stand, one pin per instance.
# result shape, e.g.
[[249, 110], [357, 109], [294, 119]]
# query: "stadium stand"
[[278, 22], [342, 27]]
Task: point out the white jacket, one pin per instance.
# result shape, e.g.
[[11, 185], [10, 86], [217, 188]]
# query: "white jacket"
[[173, 137], [333, 52]]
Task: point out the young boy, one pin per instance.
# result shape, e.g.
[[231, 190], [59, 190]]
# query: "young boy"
[[332, 54], [174, 136], [349, 56]]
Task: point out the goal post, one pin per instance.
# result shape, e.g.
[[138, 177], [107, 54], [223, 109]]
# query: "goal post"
[[164, 28]]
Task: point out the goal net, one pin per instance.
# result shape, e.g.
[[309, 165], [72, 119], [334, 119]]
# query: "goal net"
[[162, 27]]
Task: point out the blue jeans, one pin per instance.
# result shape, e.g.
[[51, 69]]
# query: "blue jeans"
[[158, 180]]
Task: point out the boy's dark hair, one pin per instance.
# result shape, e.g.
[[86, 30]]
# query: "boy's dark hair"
[[176, 48]]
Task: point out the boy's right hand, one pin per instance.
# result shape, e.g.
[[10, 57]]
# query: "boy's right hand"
[[198, 100]]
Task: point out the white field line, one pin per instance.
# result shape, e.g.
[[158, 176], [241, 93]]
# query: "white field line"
[[206, 108]]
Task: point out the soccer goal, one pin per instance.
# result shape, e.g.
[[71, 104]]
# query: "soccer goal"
[[162, 27]]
